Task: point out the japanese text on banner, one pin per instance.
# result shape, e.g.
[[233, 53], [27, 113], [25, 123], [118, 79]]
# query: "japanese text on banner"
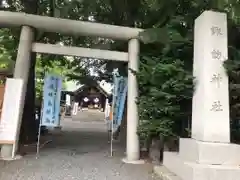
[[51, 100]]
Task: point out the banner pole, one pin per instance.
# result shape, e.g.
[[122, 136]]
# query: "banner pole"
[[39, 132], [112, 139], [113, 108], [112, 125], [38, 143]]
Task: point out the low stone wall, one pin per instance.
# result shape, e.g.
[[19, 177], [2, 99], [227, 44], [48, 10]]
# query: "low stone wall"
[[159, 145]]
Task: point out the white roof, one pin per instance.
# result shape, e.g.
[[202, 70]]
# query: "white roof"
[[73, 86]]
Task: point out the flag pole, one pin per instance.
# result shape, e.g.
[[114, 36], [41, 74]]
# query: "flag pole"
[[39, 132]]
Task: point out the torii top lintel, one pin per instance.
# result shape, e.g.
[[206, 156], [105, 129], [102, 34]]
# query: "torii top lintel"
[[66, 26]]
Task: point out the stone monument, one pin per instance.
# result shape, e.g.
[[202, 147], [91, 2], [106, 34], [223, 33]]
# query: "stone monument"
[[208, 155]]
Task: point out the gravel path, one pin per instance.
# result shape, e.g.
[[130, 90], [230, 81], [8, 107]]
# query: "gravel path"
[[79, 152]]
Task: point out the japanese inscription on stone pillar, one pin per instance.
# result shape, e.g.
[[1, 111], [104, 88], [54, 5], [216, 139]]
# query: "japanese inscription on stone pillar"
[[216, 78]]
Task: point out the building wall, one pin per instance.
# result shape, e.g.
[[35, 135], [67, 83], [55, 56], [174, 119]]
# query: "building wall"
[[91, 94]]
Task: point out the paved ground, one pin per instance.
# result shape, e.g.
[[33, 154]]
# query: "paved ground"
[[80, 152]]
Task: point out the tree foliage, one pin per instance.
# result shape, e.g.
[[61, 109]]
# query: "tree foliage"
[[175, 37], [165, 98], [6, 62], [53, 67]]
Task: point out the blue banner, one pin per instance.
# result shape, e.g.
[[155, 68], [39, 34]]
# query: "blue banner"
[[116, 80], [120, 93], [51, 100]]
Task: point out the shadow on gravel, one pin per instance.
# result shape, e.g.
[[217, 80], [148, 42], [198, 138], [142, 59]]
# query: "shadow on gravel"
[[79, 142]]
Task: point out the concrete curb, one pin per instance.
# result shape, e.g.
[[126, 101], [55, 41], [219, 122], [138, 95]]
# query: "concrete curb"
[[164, 173]]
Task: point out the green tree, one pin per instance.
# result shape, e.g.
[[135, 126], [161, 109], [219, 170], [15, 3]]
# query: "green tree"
[[175, 38], [165, 96], [6, 63], [53, 67]]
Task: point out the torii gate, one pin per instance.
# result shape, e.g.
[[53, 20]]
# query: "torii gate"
[[73, 27]]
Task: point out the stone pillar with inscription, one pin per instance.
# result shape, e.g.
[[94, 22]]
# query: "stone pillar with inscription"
[[208, 155], [210, 117]]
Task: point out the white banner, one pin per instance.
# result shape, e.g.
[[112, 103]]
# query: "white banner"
[[68, 100], [10, 111], [75, 108]]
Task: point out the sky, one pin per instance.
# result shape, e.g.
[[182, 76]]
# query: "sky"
[[72, 86]]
